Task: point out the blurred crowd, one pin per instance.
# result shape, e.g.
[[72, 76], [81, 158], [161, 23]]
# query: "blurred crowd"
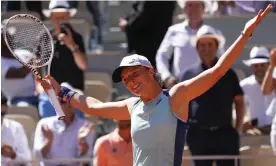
[[178, 51]]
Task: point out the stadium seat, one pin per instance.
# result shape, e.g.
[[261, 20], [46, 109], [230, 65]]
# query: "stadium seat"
[[28, 123], [98, 90], [99, 76], [29, 110], [264, 150]]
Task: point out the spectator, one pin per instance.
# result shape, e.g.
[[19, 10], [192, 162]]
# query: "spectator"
[[268, 87], [257, 102], [176, 42], [210, 115], [72, 137], [115, 148], [146, 26], [14, 143], [69, 61], [237, 7], [18, 83]]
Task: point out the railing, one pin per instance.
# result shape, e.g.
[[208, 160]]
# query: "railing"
[[89, 161]]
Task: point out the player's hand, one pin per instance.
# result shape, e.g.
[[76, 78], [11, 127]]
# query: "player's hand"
[[47, 133], [273, 57], [122, 24], [49, 82], [170, 82], [67, 39], [7, 151], [251, 25]]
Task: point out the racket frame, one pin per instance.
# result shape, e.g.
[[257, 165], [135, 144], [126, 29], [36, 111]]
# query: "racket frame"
[[54, 100]]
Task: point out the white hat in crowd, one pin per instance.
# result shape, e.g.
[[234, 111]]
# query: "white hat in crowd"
[[59, 6], [182, 4], [208, 31], [257, 55], [127, 61]]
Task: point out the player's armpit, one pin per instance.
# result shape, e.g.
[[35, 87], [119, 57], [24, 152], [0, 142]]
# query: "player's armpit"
[[111, 110]]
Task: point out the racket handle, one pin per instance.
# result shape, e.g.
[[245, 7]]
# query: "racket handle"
[[56, 104]]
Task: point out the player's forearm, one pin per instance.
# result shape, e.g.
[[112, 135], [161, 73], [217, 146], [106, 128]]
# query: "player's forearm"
[[231, 55], [267, 85], [84, 103]]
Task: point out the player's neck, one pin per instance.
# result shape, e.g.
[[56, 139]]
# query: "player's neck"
[[152, 93]]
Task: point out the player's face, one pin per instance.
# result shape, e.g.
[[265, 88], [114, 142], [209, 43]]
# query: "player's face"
[[207, 48], [259, 69], [136, 79]]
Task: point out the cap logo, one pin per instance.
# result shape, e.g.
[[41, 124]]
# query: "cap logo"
[[133, 61]]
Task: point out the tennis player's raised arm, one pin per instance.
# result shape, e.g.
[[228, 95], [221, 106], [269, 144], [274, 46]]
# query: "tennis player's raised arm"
[[111, 110], [196, 86], [89, 105]]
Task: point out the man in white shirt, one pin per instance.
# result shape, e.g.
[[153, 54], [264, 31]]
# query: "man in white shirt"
[[70, 138], [177, 42], [257, 103], [14, 143], [269, 87], [17, 81]]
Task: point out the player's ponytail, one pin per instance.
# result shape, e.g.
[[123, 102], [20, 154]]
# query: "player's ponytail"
[[158, 79]]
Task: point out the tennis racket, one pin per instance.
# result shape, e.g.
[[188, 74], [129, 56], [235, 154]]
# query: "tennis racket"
[[31, 44]]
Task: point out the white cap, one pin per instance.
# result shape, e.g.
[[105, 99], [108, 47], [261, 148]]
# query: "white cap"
[[128, 61], [207, 4], [208, 31], [257, 55], [59, 6]]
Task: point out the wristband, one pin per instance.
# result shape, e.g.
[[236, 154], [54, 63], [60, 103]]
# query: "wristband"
[[66, 94]]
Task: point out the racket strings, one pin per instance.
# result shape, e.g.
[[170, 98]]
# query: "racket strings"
[[29, 35]]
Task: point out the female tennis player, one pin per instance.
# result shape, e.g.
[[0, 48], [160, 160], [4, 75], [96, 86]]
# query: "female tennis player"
[[158, 134]]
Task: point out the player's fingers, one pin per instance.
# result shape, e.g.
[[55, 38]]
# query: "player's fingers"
[[45, 84], [266, 11]]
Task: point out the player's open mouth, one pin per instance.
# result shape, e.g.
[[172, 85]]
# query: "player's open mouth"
[[136, 87]]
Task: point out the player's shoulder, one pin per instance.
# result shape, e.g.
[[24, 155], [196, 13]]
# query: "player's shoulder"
[[177, 27], [131, 102]]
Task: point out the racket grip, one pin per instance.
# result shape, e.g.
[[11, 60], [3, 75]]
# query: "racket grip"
[[56, 104]]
